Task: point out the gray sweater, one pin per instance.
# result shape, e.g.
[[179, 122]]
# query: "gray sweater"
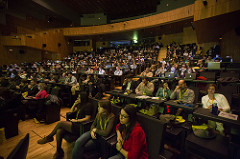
[[186, 97]]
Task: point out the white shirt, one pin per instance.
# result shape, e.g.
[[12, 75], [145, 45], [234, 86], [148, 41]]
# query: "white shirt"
[[220, 99], [101, 72], [119, 73]]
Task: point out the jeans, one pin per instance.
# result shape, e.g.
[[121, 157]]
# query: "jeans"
[[83, 143]]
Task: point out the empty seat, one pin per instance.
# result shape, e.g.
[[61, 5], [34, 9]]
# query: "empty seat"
[[21, 149]]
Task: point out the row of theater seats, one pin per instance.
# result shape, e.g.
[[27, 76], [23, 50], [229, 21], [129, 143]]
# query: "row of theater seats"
[[15, 110], [154, 130]]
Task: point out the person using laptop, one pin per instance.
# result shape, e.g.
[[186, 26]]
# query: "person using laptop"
[[190, 69], [174, 69], [161, 71], [145, 87], [201, 66], [182, 71]]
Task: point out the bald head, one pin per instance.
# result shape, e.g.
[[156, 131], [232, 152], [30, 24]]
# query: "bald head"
[[182, 84]]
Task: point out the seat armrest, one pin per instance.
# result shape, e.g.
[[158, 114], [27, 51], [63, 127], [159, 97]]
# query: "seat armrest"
[[109, 136], [111, 139], [88, 122]]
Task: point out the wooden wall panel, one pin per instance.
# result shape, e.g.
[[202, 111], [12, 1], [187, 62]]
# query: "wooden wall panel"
[[230, 45], [54, 40], [214, 8], [11, 57]]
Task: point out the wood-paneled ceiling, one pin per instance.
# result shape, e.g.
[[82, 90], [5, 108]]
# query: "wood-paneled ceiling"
[[72, 10]]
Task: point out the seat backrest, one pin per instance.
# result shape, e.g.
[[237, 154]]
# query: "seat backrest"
[[196, 93], [154, 130], [116, 110], [21, 149], [229, 74], [55, 90], [94, 103], [211, 76], [227, 90]]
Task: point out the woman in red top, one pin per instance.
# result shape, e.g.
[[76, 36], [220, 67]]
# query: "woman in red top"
[[42, 92], [131, 140]]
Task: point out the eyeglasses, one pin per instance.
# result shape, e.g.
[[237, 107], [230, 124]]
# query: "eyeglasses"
[[123, 116]]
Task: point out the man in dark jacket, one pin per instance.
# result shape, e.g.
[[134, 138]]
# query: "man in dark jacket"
[[128, 85], [32, 88]]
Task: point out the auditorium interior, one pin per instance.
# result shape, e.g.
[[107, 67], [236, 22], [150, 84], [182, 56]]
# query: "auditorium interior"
[[137, 79]]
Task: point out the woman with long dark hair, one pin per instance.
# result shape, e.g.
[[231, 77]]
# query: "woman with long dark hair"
[[131, 140], [102, 126]]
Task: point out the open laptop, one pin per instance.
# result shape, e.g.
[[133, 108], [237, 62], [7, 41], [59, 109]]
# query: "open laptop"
[[190, 76], [214, 66], [169, 75]]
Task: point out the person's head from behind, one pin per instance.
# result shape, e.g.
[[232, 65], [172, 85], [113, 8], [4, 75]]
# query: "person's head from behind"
[[217, 59], [88, 76], [42, 86], [33, 82], [69, 75], [95, 76], [211, 88], [104, 107]]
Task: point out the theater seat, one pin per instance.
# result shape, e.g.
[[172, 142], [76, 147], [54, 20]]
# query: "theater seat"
[[9, 120], [50, 112], [154, 130], [108, 143], [21, 149], [207, 148]]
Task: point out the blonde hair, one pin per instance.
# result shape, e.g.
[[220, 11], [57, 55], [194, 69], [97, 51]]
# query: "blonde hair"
[[42, 86]]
